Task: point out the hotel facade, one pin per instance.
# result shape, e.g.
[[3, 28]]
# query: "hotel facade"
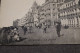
[[65, 11], [35, 13], [50, 13], [69, 13]]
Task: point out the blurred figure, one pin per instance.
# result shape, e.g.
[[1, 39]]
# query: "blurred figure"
[[25, 30], [30, 29], [58, 28], [15, 30], [5, 35], [9, 37], [16, 37], [44, 28]]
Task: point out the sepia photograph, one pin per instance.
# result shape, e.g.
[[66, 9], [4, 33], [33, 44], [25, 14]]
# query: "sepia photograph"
[[39, 22]]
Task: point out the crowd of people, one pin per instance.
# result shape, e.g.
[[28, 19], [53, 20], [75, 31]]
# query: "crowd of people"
[[11, 34], [57, 25]]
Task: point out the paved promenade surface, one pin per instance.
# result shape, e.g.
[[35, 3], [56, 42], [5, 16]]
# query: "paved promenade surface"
[[68, 36]]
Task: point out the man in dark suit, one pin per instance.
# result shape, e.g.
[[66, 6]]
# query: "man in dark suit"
[[58, 28], [25, 30]]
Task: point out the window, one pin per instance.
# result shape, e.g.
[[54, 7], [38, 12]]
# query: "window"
[[72, 10], [49, 9], [79, 8], [53, 4], [47, 0], [53, 15], [75, 9], [71, 14], [66, 5], [48, 14], [62, 0], [53, 9], [64, 12], [72, 4]]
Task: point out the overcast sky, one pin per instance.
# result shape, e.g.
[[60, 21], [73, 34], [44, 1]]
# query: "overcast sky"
[[14, 9]]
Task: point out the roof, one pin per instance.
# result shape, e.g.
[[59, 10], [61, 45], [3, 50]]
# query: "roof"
[[35, 4], [68, 1]]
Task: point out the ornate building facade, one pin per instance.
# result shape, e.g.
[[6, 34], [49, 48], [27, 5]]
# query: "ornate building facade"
[[70, 13], [30, 20], [50, 12], [65, 11], [35, 13], [16, 22]]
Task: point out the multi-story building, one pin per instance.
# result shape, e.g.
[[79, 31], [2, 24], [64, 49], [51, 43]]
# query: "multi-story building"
[[70, 13], [65, 11], [35, 12], [50, 12], [22, 21], [30, 20], [15, 23]]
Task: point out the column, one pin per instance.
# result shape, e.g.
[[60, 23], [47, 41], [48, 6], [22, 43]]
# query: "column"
[[72, 22], [75, 21], [79, 21], [51, 10], [69, 22], [66, 21], [62, 22]]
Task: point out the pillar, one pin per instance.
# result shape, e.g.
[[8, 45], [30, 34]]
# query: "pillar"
[[79, 21], [75, 21], [72, 22], [66, 21]]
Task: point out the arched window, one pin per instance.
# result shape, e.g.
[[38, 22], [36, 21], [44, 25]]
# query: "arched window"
[[70, 4], [47, 0], [62, 0], [66, 5], [79, 16], [75, 9]]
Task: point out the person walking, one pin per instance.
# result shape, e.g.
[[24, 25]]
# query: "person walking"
[[16, 37], [58, 28], [25, 30], [44, 28], [30, 29]]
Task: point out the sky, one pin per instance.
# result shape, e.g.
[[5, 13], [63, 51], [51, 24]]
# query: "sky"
[[14, 9]]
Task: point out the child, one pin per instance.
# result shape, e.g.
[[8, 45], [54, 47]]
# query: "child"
[[16, 37]]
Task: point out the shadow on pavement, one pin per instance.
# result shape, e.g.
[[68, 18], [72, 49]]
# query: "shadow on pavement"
[[21, 39]]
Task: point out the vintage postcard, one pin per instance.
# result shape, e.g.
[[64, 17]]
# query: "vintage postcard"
[[39, 22]]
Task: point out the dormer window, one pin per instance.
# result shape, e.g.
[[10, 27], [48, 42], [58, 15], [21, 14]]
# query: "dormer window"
[[47, 0]]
